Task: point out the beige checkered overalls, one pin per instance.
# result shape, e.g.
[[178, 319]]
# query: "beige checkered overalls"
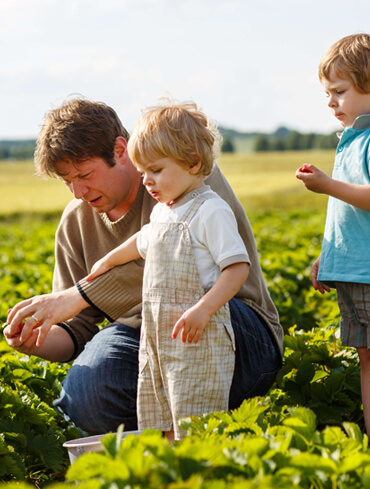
[[179, 379]]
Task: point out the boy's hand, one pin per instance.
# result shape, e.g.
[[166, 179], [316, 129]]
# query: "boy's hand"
[[100, 267], [313, 178], [316, 284], [191, 324]]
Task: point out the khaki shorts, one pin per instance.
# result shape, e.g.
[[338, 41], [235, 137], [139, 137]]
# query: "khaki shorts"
[[354, 306]]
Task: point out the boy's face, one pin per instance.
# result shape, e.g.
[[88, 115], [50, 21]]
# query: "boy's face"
[[345, 102]]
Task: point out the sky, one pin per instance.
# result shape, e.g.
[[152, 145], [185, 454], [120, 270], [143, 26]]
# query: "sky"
[[251, 65]]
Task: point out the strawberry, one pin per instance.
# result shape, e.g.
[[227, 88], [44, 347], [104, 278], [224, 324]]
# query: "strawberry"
[[303, 169]]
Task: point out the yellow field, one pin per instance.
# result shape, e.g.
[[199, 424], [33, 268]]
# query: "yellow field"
[[267, 180], [260, 180], [22, 191]]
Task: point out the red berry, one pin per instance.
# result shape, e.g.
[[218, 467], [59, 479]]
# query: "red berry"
[[303, 169]]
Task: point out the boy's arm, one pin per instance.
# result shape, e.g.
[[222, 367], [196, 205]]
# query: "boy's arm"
[[124, 253], [194, 320], [317, 181]]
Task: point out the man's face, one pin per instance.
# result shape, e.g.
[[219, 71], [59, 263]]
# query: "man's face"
[[105, 188]]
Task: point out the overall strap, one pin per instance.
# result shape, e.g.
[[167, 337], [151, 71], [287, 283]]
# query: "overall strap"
[[198, 200]]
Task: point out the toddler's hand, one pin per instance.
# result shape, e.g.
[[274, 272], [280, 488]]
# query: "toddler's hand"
[[191, 324], [98, 268]]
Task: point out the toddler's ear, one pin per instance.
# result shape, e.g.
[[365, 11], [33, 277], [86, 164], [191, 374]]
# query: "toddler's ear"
[[196, 165]]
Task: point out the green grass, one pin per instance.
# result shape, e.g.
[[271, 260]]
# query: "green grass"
[[260, 180]]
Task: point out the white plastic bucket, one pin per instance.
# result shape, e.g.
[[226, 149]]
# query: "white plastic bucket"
[[88, 444]]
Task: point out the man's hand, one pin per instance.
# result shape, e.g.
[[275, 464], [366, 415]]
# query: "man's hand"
[[39, 314], [191, 324]]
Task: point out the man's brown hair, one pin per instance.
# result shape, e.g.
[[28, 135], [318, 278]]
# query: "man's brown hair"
[[77, 130]]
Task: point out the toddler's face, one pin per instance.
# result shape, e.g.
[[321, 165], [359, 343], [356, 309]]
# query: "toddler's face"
[[168, 181], [345, 102]]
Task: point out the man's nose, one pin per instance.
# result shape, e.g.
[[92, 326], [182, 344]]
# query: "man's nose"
[[78, 189]]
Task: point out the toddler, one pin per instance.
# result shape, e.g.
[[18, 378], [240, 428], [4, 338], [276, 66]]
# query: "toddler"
[[195, 262]]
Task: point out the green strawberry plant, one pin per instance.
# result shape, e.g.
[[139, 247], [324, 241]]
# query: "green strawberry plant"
[[306, 433]]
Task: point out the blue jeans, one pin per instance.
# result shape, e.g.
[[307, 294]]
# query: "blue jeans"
[[99, 392]]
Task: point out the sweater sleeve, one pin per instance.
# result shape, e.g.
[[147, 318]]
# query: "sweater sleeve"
[[68, 270]]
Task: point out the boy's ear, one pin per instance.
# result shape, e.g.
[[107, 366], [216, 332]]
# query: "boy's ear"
[[196, 166]]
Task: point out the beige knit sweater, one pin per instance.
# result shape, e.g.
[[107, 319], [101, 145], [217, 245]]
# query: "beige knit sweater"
[[84, 236]]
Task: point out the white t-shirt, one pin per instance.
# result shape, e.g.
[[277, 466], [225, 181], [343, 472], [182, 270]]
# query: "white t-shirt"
[[214, 235]]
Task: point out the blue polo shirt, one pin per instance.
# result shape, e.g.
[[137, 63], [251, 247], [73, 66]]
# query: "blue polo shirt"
[[345, 254]]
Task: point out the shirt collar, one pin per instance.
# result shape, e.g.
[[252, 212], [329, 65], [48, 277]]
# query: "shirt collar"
[[362, 122], [191, 195]]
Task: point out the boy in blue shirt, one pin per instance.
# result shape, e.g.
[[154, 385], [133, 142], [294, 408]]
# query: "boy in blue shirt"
[[344, 263]]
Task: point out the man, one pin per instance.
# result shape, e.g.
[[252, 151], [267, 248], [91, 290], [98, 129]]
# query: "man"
[[85, 145]]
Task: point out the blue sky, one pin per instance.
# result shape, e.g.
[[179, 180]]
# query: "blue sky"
[[251, 65]]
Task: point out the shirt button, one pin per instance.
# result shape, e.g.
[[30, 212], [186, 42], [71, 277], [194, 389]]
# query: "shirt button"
[[181, 227], [193, 195], [340, 149], [197, 296]]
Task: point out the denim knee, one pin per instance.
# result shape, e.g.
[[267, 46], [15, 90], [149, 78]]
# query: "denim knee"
[[99, 391], [257, 359]]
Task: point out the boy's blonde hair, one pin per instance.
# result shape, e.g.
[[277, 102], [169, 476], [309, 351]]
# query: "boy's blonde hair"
[[349, 58], [175, 130]]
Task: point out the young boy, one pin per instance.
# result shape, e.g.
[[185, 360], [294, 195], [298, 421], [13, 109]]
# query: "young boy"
[[195, 262], [344, 262]]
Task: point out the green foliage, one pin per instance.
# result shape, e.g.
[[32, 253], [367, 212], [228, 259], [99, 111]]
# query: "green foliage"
[[31, 430], [26, 260], [288, 244], [321, 374], [306, 433], [234, 450]]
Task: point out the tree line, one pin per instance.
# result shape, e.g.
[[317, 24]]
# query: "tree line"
[[282, 139], [17, 149], [295, 141]]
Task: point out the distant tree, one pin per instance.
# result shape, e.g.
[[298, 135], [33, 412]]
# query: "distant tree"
[[294, 141], [262, 143], [282, 133], [278, 144], [4, 153], [227, 146], [329, 141], [308, 141]]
